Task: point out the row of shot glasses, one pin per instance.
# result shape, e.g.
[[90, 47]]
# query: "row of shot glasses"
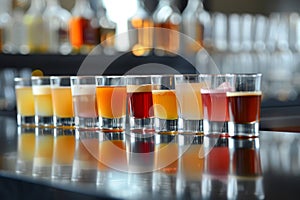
[[181, 103]]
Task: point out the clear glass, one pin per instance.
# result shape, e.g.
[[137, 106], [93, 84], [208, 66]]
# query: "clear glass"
[[142, 34], [86, 156], [84, 27], [25, 102], [42, 100], [190, 110], [26, 146], [167, 19], [140, 103], [43, 153], [111, 102], [57, 26], [63, 112], [63, 153], [244, 104], [84, 101], [164, 103], [214, 102]]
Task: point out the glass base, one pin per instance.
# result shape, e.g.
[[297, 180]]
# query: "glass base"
[[59, 121], [85, 122], [166, 125], [84, 171], [24, 167], [25, 120], [213, 127], [243, 130], [44, 121], [141, 124], [112, 124], [61, 171], [41, 171], [191, 126]]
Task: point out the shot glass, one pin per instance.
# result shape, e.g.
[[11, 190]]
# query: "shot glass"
[[43, 153], [164, 103], [214, 102], [84, 101], [25, 101], [63, 113], [42, 100], [86, 156], [26, 144], [190, 110], [111, 102], [63, 153], [244, 104], [140, 103]]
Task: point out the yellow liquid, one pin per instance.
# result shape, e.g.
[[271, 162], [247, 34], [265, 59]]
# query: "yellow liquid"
[[165, 104], [26, 146], [43, 100], [62, 102], [190, 101], [64, 147], [166, 157], [25, 101], [44, 150]]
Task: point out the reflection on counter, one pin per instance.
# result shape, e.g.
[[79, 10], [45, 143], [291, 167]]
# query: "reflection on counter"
[[155, 165]]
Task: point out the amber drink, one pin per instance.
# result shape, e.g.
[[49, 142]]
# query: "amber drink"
[[244, 105]]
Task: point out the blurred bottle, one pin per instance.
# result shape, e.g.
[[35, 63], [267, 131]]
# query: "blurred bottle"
[[167, 21], [107, 30], [193, 25], [16, 36], [142, 35], [84, 27], [57, 26], [35, 32], [5, 19]]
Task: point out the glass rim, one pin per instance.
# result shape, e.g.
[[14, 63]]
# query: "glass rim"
[[248, 74], [60, 77], [22, 79], [87, 76], [217, 75], [40, 77], [109, 76]]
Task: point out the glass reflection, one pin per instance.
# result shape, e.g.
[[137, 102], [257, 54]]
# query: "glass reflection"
[[245, 179]]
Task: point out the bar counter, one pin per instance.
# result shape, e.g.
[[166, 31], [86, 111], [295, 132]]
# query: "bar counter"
[[267, 167]]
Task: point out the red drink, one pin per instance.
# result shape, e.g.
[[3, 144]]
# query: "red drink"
[[215, 106], [244, 107], [140, 101], [218, 161]]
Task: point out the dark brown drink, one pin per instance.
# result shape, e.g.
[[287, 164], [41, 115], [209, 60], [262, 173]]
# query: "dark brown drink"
[[244, 107]]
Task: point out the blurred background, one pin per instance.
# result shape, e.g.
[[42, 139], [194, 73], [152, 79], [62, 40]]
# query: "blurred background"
[[241, 36]]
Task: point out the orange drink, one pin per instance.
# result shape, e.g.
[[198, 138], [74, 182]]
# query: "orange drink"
[[166, 157], [117, 148], [25, 101], [165, 104], [111, 102], [64, 146], [62, 102]]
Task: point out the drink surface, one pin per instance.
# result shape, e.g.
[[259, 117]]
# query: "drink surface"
[[244, 107], [62, 102], [165, 104], [111, 101], [25, 101]]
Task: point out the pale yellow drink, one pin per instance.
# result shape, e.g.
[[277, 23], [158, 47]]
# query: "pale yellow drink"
[[25, 101], [190, 101], [43, 100]]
